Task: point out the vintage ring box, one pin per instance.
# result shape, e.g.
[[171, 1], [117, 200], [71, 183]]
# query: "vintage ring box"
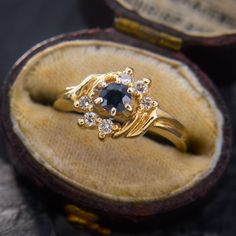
[[125, 178]]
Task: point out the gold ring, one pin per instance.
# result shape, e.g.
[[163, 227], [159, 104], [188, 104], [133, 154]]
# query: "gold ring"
[[118, 105]]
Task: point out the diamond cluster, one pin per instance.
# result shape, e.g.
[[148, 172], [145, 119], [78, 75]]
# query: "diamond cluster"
[[114, 96]]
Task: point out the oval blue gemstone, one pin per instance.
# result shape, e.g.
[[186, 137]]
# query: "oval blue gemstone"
[[115, 95]]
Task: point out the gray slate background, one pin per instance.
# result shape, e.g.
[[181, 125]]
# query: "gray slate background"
[[25, 23]]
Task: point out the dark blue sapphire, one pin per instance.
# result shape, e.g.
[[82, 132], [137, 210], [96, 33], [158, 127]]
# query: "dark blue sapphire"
[[115, 95]]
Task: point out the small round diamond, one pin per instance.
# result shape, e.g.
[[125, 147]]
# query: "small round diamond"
[[125, 79], [141, 87], [147, 103], [90, 118], [85, 102], [105, 126]]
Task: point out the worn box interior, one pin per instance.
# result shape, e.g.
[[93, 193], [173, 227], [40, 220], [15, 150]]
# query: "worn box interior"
[[126, 170], [124, 177], [193, 22]]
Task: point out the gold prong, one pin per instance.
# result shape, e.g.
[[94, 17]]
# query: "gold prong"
[[129, 70], [113, 111], [70, 87], [80, 122], [118, 80], [115, 127], [98, 119], [154, 103], [147, 81], [128, 107], [76, 104], [103, 84], [91, 95], [90, 108], [98, 100], [141, 106], [101, 135], [138, 95], [130, 90]]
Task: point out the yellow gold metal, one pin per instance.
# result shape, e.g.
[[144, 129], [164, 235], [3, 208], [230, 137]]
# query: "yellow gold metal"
[[91, 95], [80, 122], [115, 127], [99, 120], [113, 111], [102, 85], [130, 90], [155, 103], [148, 34], [101, 135], [129, 70], [98, 100], [76, 103], [142, 116], [128, 107], [147, 81], [85, 219]]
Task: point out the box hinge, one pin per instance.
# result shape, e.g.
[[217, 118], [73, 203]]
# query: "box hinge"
[[148, 34]]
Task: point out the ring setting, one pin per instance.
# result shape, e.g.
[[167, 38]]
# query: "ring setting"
[[117, 96], [117, 104]]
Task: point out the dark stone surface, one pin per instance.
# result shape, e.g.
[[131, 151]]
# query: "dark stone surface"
[[25, 23], [115, 95]]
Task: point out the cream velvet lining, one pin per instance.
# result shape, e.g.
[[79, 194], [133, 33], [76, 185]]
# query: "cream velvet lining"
[[122, 169]]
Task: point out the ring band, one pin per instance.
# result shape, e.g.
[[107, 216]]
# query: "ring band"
[[118, 106]]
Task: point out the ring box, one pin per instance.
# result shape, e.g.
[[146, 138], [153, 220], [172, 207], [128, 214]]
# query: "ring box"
[[121, 179]]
